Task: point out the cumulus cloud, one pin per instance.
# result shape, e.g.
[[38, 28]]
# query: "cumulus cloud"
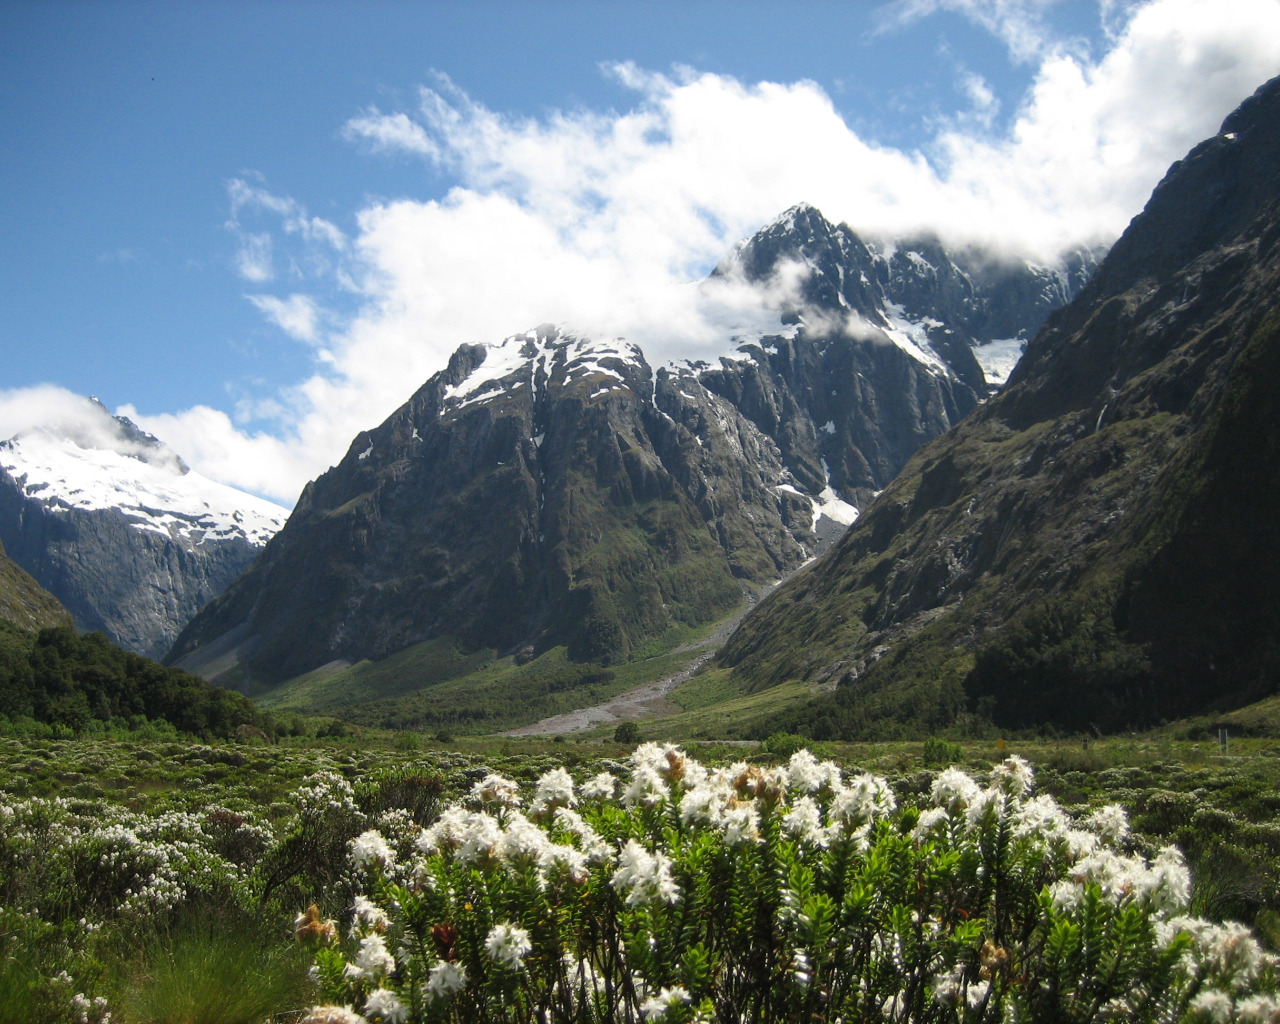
[[602, 219], [263, 463], [49, 407]]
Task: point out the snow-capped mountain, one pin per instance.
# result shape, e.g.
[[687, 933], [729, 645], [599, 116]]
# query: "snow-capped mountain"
[[111, 521], [555, 489]]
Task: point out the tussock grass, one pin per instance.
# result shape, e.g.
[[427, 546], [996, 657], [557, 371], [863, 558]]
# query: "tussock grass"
[[211, 969]]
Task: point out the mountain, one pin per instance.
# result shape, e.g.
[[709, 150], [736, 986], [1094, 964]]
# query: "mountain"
[[24, 602], [558, 490], [112, 522], [886, 348], [1096, 546]]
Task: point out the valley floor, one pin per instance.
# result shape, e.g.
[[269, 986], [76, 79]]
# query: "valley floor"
[[646, 701]]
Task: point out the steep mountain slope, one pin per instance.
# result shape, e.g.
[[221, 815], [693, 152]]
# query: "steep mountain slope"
[[114, 524], [1097, 545], [558, 490], [24, 602]]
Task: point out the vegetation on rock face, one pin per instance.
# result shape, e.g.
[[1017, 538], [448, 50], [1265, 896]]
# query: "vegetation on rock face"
[[24, 602], [539, 518], [552, 491]]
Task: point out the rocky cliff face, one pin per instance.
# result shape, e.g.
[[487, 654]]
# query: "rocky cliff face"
[[554, 489], [1093, 547], [110, 521]]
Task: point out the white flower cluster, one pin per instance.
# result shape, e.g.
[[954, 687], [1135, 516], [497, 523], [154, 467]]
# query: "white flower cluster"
[[369, 849], [1225, 958], [140, 863], [445, 981], [385, 1005], [90, 1011], [511, 840], [496, 791], [644, 877], [815, 802], [623, 846], [555, 790], [373, 961], [326, 793], [656, 1007], [334, 1015], [507, 945], [155, 862]]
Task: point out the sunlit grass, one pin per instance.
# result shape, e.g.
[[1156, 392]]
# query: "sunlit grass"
[[211, 969]]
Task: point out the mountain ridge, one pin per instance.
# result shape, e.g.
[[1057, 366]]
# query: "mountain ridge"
[[24, 602], [1024, 564]]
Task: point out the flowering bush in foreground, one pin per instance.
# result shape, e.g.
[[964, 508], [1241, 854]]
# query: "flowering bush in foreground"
[[747, 894]]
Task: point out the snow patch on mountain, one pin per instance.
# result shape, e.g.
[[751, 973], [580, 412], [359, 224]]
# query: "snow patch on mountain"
[[912, 336], [534, 357], [833, 507], [156, 494], [500, 361], [998, 358]]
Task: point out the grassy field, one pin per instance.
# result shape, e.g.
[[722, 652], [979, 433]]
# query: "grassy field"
[[158, 875]]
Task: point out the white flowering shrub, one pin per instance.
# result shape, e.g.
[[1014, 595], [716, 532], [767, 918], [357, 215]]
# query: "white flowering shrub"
[[114, 863], [71, 874], [678, 893]]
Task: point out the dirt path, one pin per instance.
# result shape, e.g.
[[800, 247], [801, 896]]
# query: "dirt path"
[[644, 701]]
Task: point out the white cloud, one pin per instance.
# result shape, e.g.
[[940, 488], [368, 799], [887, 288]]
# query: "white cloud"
[[253, 258], [209, 442], [47, 407], [320, 241], [1092, 140], [1019, 24], [391, 132], [601, 219], [986, 105], [297, 315]]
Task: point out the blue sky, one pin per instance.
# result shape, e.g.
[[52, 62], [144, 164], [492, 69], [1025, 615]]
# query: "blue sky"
[[258, 227]]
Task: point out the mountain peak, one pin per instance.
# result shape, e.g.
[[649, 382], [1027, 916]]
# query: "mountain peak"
[[110, 520], [91, 426], [548, 355]]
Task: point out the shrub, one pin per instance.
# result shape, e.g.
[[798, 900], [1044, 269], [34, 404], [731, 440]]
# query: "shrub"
[[940, 752], [626, 732], [784, 744], [787, 893], [407, 741]]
